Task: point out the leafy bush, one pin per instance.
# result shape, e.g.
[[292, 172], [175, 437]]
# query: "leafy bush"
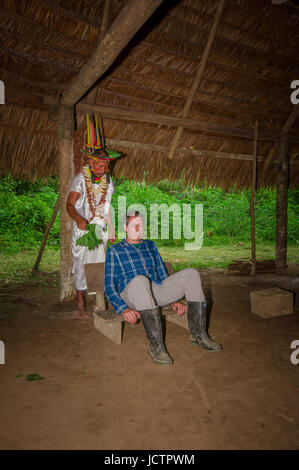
[[26, 208]]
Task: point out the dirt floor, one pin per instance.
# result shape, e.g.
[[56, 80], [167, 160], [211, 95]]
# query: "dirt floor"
[[97, 395]]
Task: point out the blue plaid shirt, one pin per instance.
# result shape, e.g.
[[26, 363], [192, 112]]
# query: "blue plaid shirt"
[[124, 261]]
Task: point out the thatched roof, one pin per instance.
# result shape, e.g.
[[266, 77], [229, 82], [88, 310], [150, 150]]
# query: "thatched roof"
[[251, 64]]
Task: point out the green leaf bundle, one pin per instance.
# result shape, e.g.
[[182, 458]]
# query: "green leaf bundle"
[[90, 239]]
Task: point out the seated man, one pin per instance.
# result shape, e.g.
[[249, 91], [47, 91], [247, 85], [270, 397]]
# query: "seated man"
[[137, 283]]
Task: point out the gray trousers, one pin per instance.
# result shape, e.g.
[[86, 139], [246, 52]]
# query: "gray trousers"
[[142, 294]]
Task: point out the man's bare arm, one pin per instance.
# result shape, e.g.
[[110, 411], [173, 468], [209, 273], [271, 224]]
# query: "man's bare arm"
[[70, 207]]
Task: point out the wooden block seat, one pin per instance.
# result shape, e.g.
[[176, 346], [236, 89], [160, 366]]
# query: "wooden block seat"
[[272, 302], [106, 320]]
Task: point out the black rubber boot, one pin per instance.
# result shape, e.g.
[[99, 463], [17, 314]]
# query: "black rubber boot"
[[197, 322], [152, 324]]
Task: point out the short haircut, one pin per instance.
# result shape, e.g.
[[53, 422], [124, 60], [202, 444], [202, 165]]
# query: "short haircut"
[[131, 214]]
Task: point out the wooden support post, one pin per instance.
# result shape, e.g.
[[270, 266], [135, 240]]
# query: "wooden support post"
[[66, 171], [287, 126], [282, 206], [253, 189], [43, 244], [199, 75]]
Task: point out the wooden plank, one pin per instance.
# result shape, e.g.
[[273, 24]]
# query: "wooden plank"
[[128, 22], [199, 75]]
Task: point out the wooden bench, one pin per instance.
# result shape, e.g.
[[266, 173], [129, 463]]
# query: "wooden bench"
[[106, 320]]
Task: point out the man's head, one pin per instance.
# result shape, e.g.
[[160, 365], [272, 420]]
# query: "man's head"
[[99, 166], [134, 226]]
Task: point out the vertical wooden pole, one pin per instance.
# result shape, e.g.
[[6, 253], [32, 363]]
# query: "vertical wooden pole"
[[43, 244], [66, 171], [282, 206], [253, 189]]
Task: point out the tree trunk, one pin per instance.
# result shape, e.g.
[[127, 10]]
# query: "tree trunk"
[[282, 206], [66, 170]]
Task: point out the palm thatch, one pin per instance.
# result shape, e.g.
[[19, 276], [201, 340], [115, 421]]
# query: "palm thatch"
[[247, 77]]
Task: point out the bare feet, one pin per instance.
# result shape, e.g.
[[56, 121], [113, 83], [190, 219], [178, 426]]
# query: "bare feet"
[[81, 316], [81, 306]]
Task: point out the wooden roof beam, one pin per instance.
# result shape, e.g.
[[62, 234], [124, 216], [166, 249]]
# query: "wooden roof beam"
[[186, 151], [129, 114], [124, 113], [128, 22], [199, 74], [255, 88]]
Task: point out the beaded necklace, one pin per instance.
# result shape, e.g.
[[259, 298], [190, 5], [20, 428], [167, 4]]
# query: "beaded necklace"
[[97, 210]]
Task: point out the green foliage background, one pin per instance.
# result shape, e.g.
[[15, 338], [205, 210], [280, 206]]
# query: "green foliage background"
[[26, 208]]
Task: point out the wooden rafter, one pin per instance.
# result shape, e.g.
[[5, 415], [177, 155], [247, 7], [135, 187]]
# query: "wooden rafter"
[[199, 75], [186, 151], [254, 36], [130, 19], [212, 62], [197, 101], [167, 70], [216, 58], [124, 113]]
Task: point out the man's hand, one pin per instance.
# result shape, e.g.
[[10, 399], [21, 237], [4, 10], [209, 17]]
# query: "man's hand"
[[130, 315], [81, 222], [180, 308]]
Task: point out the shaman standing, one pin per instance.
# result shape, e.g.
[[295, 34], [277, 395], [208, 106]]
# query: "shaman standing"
[[88, 204]]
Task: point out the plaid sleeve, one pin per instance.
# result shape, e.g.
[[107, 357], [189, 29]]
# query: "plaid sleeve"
[[111, 277], [160, 266]]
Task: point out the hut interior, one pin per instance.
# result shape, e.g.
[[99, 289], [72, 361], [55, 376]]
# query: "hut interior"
[[207, 89]]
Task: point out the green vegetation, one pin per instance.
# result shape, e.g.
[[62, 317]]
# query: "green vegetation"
[[90, 239], [26, 208]]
